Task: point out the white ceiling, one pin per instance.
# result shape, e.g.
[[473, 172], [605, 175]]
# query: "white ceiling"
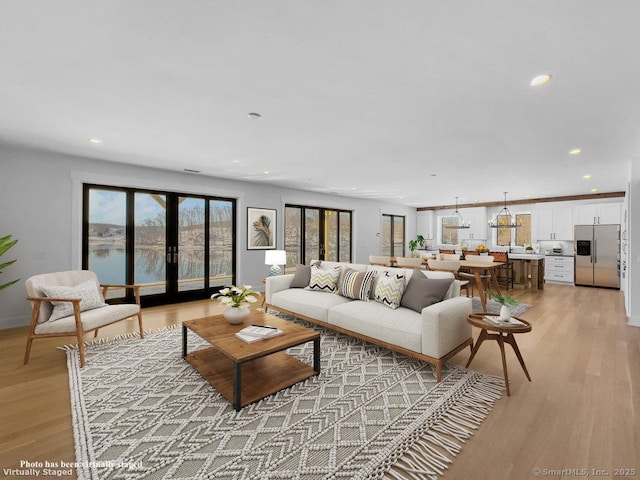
[[364, 98]]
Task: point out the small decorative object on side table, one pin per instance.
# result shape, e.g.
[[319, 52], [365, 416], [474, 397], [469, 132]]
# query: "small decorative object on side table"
[[488, 322], [238, 299]]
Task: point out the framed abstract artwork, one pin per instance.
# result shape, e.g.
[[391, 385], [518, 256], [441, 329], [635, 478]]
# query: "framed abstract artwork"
[[261, 228]]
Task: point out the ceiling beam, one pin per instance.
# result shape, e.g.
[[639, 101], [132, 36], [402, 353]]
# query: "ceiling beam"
[[528, 201]]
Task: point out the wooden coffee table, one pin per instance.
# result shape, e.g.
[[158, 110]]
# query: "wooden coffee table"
[[503, 335], [243, 372]]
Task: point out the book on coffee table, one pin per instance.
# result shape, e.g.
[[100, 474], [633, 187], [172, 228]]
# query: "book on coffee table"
[[255, 333], [510, 322]]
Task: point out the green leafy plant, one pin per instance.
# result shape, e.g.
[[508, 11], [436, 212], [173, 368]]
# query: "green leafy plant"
[[5, 244], [503, 299], [418, 242]]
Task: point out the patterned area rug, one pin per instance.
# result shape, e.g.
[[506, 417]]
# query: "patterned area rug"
[[494, 307], [141, 412]]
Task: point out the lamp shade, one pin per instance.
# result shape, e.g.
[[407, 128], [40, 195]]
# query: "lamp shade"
[[275, 257]]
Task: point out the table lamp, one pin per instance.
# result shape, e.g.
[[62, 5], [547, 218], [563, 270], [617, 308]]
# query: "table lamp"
[[275, 258]]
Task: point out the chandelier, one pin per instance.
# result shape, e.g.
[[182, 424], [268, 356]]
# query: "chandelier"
[[504, 219], [455, 220]]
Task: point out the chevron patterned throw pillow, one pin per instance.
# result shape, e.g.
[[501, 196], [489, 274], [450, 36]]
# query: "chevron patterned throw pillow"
[[389, 289], [324, 280]]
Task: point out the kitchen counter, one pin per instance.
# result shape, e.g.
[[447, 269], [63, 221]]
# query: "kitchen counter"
[[526, 256]]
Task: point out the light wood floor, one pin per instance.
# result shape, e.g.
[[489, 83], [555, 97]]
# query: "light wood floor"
[[581, 411]]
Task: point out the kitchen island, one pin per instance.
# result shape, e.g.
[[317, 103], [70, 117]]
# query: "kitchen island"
[[528, 270]]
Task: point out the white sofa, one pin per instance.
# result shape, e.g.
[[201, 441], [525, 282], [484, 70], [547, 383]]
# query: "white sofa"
[[436, 334]]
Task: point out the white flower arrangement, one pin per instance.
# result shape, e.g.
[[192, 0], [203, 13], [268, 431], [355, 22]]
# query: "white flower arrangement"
[[236, 296]]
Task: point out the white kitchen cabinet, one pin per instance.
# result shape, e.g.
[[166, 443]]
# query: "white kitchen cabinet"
[[555, 223], [558, 269], [477, 216], [426, 225], [597, 214]]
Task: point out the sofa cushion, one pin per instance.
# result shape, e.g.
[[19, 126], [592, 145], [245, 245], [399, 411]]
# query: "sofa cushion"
[[401, 327], [302, 277], [324, 280], [389, 289], [356, 285], [422, 292], [380, 271], [308, 303], [90, 319], [87, 291]]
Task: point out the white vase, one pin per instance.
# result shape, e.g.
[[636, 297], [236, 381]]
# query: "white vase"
[[505, 312], [236, 315]]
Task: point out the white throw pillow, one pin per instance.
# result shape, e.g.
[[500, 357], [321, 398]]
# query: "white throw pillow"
[[324, 280], [88, 291], [389, 289]]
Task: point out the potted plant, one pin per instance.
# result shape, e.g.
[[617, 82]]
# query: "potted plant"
[[507, 301], [5, 244], [414, 244], [238, 299], [528, 249]]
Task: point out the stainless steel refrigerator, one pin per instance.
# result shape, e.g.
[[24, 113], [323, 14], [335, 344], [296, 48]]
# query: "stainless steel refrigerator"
[[597, 261]]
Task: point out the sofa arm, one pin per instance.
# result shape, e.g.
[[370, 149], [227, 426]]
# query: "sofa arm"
[[275, 284], [445, 326]]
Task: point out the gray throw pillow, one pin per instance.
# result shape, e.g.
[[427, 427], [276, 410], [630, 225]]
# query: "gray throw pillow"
[[422, 291], [302, 277]]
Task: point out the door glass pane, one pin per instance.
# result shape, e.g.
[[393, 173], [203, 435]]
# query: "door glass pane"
[[190, 243], [107, 237], [293, 235], [386, 235], [398, 236], [331, 235], [311, 235], [150, 214], [220, 243], [345, 237]]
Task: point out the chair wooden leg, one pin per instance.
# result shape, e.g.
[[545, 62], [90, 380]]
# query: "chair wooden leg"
[[140, 325], [80, 336], [28, 351]]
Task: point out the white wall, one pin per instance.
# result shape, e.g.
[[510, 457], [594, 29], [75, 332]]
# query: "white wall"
[[633, 256], [40, 205]]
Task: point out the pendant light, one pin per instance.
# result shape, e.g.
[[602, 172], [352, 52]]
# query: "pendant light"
[[497, 223], [455, 220]]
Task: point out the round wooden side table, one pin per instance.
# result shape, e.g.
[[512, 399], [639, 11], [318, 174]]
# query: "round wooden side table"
[[503, 334]]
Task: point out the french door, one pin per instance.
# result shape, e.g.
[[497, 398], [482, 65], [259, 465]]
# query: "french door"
[[317, 233], [176, 246]]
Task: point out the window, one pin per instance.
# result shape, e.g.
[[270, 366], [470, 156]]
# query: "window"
[[393, 235], [449, 236], [316, 233], [514, 236], [177, 247]]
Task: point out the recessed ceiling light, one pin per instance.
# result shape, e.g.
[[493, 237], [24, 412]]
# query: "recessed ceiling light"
[[540, 80], [587, 177], [95, 141], [527, 196], [191, 170], [254, 116], [433, 175], [354, 188], [575, 151], [594, 190], [267, 172]]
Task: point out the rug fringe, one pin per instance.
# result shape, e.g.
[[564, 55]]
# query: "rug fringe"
[[117, 338], [429, 455]]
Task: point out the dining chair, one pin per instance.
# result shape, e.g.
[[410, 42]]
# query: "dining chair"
[[504, 273], [452, 266], [408, 262], [380, 260]]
